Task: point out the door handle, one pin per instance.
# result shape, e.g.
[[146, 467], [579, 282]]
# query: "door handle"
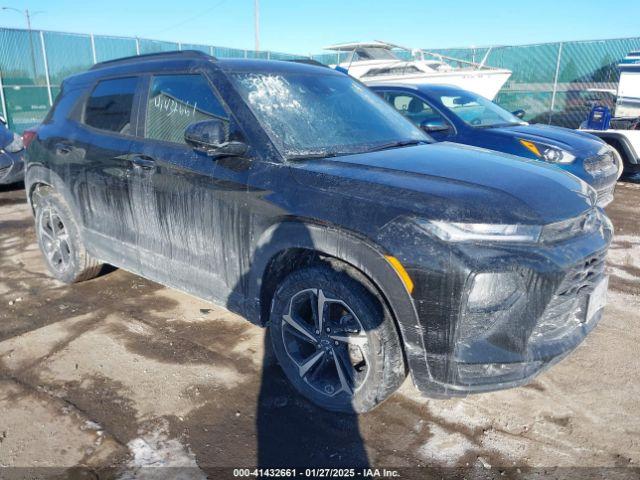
[[143, 162], [63, 148]]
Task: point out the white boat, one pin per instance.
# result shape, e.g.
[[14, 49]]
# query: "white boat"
[[377, 62]]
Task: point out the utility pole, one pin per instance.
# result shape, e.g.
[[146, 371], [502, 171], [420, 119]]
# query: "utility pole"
[[256, 19], [28, 16]]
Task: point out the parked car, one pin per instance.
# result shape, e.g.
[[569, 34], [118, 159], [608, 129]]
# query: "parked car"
[[11, 150], [296, 197], [452, 114], [623, 130]]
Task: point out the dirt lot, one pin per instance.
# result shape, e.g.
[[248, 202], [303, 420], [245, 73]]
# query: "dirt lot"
[[122, 372]]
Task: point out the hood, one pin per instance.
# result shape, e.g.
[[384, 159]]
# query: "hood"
[[455, 182], [580, 143]]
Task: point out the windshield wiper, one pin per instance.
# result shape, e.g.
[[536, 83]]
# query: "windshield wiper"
[[498, 125], [397, 144], [310, 156]]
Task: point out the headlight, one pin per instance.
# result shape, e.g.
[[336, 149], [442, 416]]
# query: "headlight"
[[15, 145], [487, 232], [548, 153], [583, 224]]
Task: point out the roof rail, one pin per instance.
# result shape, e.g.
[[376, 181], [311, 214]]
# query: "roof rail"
[[153, 56], [308, 61]]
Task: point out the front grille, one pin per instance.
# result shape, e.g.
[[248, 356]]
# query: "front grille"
[[568, 306], [603, 164], [4, 171], [605, 195]]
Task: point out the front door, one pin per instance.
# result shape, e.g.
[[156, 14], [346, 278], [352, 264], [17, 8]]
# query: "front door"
[[192, 209], [421, 114]]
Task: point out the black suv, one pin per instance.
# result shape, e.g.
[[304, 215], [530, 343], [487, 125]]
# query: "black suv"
[[295, 196]]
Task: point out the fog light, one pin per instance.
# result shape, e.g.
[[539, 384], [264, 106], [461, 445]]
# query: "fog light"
[[481, 373], [492, 291]]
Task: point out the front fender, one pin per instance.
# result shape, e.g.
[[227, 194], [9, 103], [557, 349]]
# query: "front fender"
[[361, 254]]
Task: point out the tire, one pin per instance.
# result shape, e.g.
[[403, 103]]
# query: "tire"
[[59, 239], [356, 361]]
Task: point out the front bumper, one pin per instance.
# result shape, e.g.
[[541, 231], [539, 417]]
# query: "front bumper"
[[11, 167], [602, 172], [502, 340]]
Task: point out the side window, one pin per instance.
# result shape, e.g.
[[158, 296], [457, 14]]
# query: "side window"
[[110, 104], [413, 108], [177, 101]]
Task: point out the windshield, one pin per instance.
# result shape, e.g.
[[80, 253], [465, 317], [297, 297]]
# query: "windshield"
[[374, 53], [479, 112], [319, 114]]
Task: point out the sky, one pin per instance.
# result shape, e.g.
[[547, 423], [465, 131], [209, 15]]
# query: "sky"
[[306, 26]]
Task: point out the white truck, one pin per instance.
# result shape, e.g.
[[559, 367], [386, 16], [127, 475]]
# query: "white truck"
[[624, 129]]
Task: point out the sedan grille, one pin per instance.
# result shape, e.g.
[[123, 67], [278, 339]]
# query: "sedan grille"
[[601, 165]]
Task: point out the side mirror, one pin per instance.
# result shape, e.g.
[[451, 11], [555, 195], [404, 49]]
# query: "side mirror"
[[431, 126], [211, 136], [519, 113], [3, 120]]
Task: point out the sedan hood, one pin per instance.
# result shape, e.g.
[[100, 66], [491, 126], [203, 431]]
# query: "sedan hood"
[[458, 183], [574, 141]]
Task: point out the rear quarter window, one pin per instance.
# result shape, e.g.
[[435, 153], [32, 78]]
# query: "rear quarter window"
[[65, 103]]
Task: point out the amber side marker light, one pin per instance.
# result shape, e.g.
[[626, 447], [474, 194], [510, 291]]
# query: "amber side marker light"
[[532, 147], [402, 273]]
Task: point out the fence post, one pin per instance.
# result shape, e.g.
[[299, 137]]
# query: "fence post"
[[137, 46], [4, 105], [555, 82], [93, 49], [179, 45], [46, 68]]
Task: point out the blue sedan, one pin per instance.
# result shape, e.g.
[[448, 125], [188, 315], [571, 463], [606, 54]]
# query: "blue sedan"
[[452, 114], [11, 153]]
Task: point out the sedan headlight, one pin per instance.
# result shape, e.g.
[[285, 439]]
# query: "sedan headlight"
[[548, 153], [16, 144]]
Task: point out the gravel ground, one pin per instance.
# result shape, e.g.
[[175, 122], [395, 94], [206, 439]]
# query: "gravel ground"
[[122, 372]]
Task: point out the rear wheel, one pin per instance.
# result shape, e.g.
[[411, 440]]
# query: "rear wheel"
[[335, 339], [59, 239]]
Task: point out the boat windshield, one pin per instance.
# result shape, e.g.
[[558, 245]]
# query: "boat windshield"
[[479, 112], [323, 115], [374, 53]]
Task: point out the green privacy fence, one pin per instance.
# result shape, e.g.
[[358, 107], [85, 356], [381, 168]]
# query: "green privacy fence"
[[555, 83], [34, 63]]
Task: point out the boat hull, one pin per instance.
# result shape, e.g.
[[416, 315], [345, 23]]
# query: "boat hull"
[[485, 83]]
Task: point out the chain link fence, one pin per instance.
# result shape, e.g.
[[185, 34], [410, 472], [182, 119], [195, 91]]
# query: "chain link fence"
[[34, 63], [556, 83]]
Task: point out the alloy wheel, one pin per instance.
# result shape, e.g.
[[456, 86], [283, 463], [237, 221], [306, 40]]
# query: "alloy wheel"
[[55, 239], [326, 341]]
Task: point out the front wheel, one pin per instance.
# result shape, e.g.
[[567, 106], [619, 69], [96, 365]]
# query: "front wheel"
[[335, 339]]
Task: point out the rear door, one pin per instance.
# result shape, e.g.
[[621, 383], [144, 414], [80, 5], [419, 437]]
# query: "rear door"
[[100, 149]]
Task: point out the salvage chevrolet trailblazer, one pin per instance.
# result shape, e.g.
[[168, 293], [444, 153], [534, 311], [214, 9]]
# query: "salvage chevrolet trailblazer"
[[296, 197]]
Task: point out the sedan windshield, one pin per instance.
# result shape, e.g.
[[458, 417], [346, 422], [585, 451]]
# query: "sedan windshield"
[[479, 112], [315, 115]]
